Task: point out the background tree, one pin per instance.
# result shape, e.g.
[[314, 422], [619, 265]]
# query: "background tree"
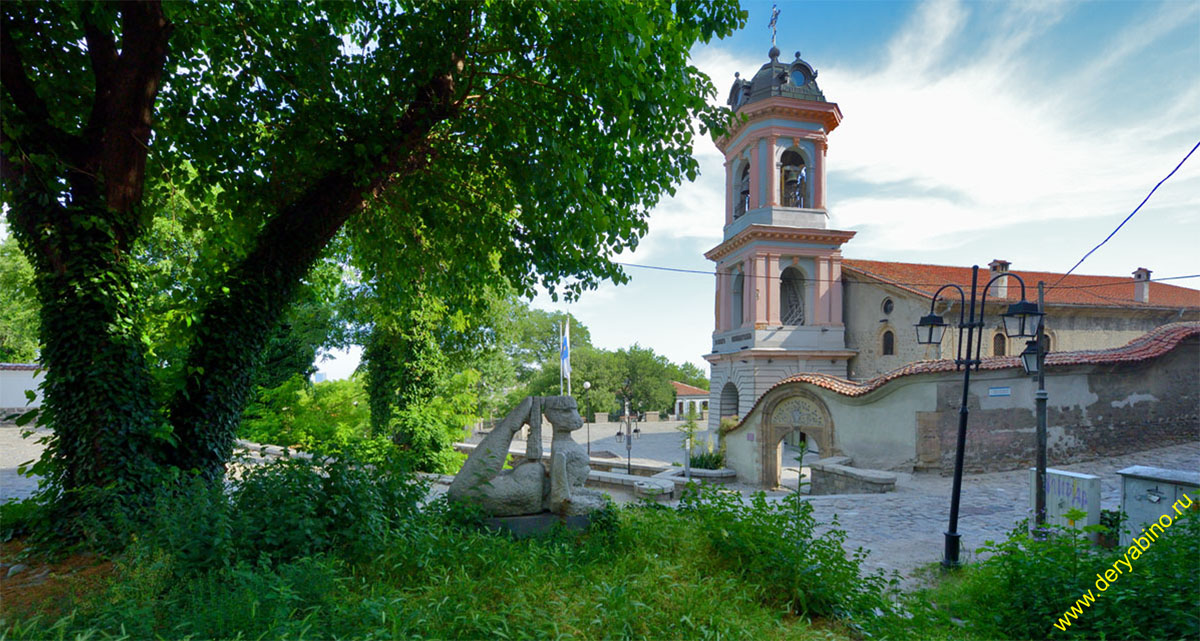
[[524, 141], [18, 306]]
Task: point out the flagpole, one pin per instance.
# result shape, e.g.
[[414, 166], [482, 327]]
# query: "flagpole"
[[567, 324], [560, 360]]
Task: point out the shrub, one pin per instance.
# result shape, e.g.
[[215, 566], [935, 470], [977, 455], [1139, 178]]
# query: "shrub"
[[16, 517], [1028, 583], [710, 460], [773, 544]]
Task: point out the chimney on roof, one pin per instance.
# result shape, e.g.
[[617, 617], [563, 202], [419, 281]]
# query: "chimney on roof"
[[1000, 287], [1141, 285]]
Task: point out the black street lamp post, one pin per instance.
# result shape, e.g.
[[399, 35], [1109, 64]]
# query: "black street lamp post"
[[1020, 321], [1033, 360]]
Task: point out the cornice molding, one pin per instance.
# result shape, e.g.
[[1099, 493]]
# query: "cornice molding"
[[776, 233]]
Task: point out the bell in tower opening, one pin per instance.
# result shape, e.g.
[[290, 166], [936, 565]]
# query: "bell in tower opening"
[[794, 179]]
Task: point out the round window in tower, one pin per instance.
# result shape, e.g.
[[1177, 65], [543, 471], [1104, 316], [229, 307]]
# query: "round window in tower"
[[888, 306]]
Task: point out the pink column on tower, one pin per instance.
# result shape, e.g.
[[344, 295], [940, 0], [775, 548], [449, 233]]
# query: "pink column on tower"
[[729, 190], [761, 287], [772, 173], [821, 308], [754, 177], [835, 299], [819, 197], [772, 286]]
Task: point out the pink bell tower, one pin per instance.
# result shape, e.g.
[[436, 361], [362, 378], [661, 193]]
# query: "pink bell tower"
[[779, 291]]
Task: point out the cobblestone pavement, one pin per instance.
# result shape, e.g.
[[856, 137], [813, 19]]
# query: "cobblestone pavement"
[[903, 530]]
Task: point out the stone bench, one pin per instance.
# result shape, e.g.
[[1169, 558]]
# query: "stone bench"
[[659, 489], [834, 475], [678, 476]]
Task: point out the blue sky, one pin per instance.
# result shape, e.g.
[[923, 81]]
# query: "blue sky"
[[971, 131]]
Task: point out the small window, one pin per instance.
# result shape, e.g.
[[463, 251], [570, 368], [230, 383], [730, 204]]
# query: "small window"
[[1046, 343], [888, 306], [889, 343], [999, 345]]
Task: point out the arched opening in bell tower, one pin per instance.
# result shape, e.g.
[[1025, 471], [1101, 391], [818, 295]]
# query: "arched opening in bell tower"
[[793, 180], [741, 202], [791, 297]]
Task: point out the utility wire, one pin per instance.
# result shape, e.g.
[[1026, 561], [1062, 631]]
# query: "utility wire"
[[701, 272], [1136, 210]]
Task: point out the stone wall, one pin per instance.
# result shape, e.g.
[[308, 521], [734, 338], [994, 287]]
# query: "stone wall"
[[1143, 395], [1092, 411]]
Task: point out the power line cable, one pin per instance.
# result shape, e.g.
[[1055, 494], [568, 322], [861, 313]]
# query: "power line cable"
[[1136, 210], [891, 282]]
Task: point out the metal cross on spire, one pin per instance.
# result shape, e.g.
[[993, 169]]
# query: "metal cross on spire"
[[774, 19]]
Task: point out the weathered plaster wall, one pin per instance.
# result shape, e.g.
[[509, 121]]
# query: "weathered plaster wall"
[[866, 322], [912, 422], [13, 384]]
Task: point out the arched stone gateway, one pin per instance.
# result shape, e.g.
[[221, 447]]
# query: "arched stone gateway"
[[799, 411]]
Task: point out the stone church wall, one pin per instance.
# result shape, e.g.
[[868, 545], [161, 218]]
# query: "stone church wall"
[[1142, 396], [1070, 328]]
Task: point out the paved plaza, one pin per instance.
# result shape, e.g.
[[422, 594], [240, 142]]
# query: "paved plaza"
[[903, 530]]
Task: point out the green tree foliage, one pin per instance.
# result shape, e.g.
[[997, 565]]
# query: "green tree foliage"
[[312, 417], [477, 141], [18, 306], [646, 379]]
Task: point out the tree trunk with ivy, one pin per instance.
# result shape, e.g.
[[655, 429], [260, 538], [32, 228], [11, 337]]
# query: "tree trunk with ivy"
[[518, 143]]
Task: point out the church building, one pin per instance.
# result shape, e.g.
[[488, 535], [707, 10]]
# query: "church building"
[[787, 301]]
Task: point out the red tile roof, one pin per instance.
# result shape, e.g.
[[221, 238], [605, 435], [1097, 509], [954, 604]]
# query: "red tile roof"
[[683, 389], [1091, 291], [1150, 345]]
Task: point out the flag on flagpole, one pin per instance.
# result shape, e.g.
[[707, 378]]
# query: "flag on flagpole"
[[565, 352]]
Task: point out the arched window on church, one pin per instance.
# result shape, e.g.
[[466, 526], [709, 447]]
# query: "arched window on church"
[[739, 283], [1046, 343], [791, 297], [793, 180], [889, 343], [742, 202], [999, 345]]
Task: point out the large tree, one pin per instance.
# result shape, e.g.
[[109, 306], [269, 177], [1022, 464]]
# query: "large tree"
[[475, 140]]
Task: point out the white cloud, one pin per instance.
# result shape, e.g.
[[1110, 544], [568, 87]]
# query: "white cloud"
[[998, 149]]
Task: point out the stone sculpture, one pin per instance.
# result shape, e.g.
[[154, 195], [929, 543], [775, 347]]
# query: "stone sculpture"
[[529, 488]]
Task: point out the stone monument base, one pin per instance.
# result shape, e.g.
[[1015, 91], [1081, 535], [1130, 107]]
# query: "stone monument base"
[[530, 525]]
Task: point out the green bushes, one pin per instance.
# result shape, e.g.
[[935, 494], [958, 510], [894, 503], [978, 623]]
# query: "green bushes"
[[708, 460], [277, 513], [1023, 589], [774, 545], [342, 551]]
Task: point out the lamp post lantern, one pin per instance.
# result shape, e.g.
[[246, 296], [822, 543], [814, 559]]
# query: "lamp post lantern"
[[1020, 321]]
